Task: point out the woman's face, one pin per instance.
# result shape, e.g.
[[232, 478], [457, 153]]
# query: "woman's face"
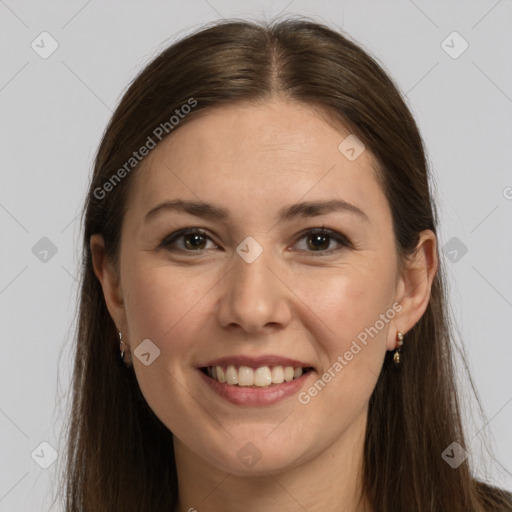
[[258, 288]]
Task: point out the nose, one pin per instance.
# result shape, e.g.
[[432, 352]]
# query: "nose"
[[254, 297]]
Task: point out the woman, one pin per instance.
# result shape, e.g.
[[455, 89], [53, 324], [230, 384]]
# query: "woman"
[[263, 310]]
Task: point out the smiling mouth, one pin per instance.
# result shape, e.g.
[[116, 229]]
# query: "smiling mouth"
[[262, 377]]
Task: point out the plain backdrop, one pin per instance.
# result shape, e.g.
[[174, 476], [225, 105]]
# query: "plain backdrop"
[[53, 113]]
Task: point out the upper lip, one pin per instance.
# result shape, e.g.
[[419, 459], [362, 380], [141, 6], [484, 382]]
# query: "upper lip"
[[256, 362]]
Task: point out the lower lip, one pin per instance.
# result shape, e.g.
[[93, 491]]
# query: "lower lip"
[[244, 395]]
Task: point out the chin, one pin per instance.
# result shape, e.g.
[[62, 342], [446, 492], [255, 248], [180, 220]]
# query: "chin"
[[256, 458]]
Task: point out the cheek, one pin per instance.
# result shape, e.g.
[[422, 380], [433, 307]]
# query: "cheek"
[[352, 316], [352, 301], [165, 305]]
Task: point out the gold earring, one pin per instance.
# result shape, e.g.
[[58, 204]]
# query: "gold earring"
[[121, 347], [399, 343]]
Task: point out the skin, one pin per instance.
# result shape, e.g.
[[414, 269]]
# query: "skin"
[[254, 159]]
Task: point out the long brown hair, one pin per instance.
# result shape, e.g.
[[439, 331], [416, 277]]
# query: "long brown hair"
[[119, 454]]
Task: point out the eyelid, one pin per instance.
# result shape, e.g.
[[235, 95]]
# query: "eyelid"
[[167, 240]]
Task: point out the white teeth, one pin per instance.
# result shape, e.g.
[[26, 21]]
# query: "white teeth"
[[288, 374], [231, 375], [277, 375], [263, 376], [245, 376], [221, 376]]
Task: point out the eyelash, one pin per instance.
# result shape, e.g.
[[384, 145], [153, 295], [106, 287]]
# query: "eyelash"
[[334, 235]]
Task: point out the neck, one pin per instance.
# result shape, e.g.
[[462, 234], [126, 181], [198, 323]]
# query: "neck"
[[328, 482]]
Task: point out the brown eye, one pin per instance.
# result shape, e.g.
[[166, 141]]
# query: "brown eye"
[[194, 241], [186, 240], [318, 241], [324, 240]]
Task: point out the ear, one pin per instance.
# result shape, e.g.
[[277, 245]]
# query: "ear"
[[109, 278], [415, 283]]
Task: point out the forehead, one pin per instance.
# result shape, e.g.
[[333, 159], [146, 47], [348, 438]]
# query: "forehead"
[[253, 156]]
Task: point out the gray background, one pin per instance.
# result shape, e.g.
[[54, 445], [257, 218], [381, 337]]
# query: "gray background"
[[54, 110]]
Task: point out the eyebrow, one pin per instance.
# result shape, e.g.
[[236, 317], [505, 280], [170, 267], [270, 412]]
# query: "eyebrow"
[[288, 213]]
